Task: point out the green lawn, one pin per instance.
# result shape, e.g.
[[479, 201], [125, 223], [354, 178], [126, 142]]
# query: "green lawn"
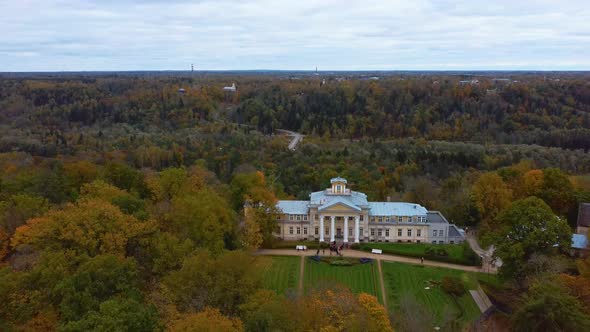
[[359, 278], [456, 252], [401, 279], [282, 275]]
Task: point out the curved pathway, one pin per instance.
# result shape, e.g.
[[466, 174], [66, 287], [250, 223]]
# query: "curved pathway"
[[296, 138], [384, 257]]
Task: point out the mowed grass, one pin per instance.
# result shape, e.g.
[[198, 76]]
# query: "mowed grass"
[[360, 278], [401, 279], [282, 275]]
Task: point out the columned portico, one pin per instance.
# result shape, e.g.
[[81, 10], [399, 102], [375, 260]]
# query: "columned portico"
[[346, 229], [356, 229], [322, 231], [332, 228]]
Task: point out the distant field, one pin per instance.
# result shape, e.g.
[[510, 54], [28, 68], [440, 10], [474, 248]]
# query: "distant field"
[[359, 278], [283, 274], [409, 279]]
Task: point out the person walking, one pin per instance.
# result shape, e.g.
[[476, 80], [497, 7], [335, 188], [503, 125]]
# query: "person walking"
[[422, 260]]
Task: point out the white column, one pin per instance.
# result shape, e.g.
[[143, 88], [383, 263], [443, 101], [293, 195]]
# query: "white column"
[[356, 229], [332, 228], [322, 228], [345, 229]]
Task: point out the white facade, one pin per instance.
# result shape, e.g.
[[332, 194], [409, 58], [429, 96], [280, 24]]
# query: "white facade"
[[338, 213]]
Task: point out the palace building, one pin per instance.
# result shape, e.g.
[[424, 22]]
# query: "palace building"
[[340, 214]]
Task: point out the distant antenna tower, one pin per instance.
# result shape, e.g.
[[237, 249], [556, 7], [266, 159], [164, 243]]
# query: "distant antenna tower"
[[192, 68]]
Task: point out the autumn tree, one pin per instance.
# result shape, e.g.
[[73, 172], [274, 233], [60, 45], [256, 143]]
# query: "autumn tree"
[[89, 227], [548, 307], [224, 281], [491, 195], [252, 191], [204, 217], [208, 320], [528, 227]]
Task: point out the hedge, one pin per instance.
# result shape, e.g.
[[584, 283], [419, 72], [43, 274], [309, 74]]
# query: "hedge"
[[469, 258]]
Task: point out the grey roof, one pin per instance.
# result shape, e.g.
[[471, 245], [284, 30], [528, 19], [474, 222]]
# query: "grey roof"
[[454, 231], [354, 198], [293, 207], [338, 179], [396, 209], [584, 215], [434, 217]]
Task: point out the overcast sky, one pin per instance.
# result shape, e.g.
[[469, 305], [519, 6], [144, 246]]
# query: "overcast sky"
[[56, 35]]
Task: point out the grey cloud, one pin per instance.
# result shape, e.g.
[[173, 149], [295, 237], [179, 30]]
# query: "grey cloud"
[[333, 34]]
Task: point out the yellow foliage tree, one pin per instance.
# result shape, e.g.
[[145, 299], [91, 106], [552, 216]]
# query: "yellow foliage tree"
[[208, 320], [491, 195], [90, 227]]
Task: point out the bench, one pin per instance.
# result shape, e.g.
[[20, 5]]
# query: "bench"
[[376, 251], [300, 248]]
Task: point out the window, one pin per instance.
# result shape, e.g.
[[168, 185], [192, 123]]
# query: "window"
[[298, 217], [349, 231], [304, 230], [305, 217], [379, 232], [317, 230], [387, 232], [291, 230], [380, 219], [441, 233], [434, 232], [399, 241], [422, 219], [418, 232], [441, 242], [433, 242], [399, 232], [372, 232], [452, 242], [400, 219], [316, 217], [372, 219], [409, 232], [338, 188], [278, 217], [361, 218], [298, 230], [327, 231], [290, 217], [417, 241], [361, 231]]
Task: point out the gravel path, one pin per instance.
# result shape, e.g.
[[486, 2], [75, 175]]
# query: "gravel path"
[[384, 257]]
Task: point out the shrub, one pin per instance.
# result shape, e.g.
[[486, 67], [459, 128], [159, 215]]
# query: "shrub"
[[341, 262], [324, 245], [471, 256], [453, 286], [355, 246]]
